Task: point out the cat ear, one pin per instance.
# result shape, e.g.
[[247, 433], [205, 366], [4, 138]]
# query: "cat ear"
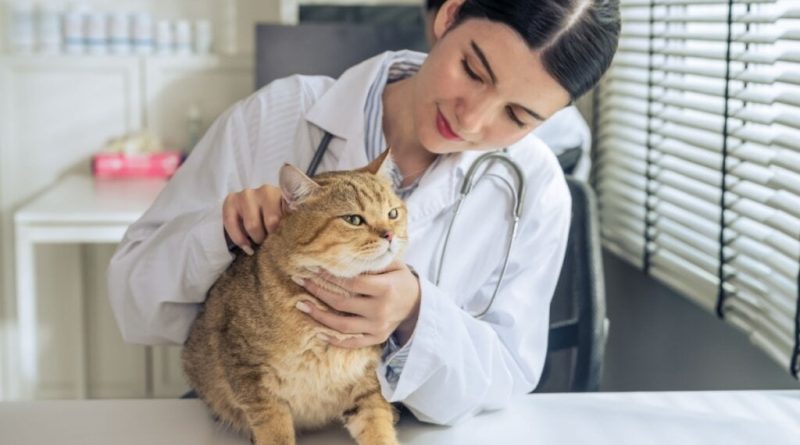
[[295, 185], [383, 165]]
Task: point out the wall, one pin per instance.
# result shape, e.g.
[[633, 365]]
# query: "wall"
[[660, 340]]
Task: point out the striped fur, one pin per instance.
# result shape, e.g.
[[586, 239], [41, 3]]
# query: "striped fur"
[[257, 361]]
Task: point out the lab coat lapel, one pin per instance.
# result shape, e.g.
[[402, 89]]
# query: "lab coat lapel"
[[340, 111], [439, 189]]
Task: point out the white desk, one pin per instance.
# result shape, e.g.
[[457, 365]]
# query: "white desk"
[[78, 209], [669, 418]]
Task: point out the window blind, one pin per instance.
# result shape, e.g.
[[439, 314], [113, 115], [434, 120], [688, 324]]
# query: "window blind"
[[697, 158]]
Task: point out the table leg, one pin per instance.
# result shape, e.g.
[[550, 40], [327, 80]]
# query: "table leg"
[[82, 371], [27, 371]]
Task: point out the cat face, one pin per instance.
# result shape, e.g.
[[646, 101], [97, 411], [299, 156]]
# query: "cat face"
[[347, 223]]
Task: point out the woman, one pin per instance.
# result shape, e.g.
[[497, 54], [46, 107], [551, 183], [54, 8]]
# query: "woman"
[[564, 132], [498, 69]]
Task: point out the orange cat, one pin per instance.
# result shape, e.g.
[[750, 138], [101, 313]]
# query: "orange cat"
[[255, 359]]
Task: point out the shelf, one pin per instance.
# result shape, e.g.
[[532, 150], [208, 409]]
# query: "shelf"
[[82, 58]]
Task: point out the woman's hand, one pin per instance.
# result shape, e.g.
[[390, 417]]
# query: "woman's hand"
[[376, 305], [251, 214]]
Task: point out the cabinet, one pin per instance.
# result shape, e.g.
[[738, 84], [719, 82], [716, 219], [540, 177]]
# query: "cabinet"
[[54, 113]]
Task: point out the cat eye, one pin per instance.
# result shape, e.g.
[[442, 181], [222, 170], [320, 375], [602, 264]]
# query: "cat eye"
[[393, 214], [354, 219]]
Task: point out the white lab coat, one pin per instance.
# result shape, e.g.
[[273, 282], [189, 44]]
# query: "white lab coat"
[[457, 365]]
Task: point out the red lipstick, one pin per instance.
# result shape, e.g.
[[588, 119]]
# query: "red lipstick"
[[444, 128]]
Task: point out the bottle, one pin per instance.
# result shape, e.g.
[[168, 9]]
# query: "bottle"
[[229, 44], [74, 37], [194, 123], [165, 38], [49, 29], [119, 33], [142, 33], [21, 30], [203, 36], [183, 37], [96, 33]]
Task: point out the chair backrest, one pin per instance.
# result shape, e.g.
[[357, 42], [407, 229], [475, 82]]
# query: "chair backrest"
[[578, 312], [324, 48], [568, 159]]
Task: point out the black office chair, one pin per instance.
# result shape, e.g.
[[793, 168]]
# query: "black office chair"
[[578, 325], [569, 158]]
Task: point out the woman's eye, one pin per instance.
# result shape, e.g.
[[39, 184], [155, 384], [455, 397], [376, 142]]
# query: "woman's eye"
[[469, 71], [354, 219], [514, 118], [393, 214]]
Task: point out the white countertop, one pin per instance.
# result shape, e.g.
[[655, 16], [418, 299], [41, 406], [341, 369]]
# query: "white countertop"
[[654, 418], [83, 199]]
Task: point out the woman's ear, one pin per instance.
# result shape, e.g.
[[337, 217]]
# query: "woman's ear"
[[295, 185], [445, 17]]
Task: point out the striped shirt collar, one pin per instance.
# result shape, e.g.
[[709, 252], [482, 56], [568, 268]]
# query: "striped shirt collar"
[[397, 67]]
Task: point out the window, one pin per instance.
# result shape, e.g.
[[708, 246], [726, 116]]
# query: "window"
[[697, 163]]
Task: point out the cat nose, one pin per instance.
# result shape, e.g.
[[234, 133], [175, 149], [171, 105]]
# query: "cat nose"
[[387, 235]]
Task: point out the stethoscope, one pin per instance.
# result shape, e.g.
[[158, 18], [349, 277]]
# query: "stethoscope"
[[517, 193]]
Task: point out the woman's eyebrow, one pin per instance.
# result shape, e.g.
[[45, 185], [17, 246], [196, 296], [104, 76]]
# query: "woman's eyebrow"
[[485, 62]]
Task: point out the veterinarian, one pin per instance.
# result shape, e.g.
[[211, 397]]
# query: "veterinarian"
[[563, 132], [498, 70]]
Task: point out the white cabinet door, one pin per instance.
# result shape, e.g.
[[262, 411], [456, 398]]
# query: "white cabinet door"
[[54, 113]]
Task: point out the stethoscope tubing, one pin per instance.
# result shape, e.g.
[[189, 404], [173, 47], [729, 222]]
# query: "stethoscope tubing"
[[517, 193]]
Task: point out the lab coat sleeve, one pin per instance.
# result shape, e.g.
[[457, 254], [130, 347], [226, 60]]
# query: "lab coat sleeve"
[[457, 365], [160, 274], [169, 258]]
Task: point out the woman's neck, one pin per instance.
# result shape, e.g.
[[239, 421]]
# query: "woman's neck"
[[411, 158]]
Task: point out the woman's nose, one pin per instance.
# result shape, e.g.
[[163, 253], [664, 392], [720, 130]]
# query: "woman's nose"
[[473, 115]]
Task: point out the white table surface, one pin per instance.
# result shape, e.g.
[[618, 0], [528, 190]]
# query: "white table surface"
[[82, 199], [668, 418]]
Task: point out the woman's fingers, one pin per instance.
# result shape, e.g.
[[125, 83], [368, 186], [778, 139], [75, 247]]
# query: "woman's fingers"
[[271, 207], [365, 284], [361, 341], [251, 214], [250, 210], [338, 299], [345, 324], [234, 226]]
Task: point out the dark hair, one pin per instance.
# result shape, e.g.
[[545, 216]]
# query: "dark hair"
[[577, 42], [432, 5]]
